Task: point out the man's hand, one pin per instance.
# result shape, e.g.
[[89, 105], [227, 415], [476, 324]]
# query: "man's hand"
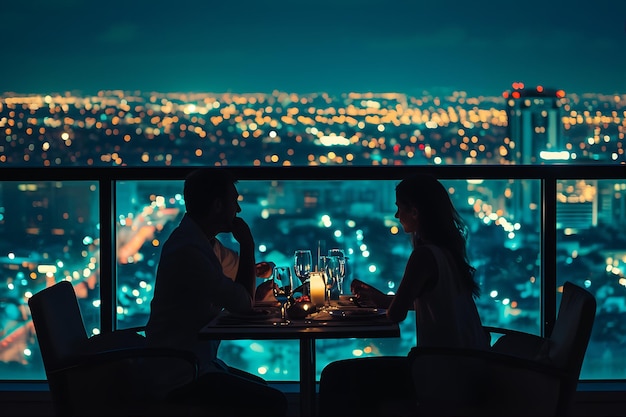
[[265, 291], [241, 231], [264, 269]]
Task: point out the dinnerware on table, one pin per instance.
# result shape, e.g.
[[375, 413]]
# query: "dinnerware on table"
[[283, 287], [302, 264], [300, 310], [337, 261], [302, 267], [327, 267], [357, 313], [257, 315]]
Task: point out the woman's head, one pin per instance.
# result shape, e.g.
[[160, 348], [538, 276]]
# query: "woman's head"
[[424, 207], [426, 211]]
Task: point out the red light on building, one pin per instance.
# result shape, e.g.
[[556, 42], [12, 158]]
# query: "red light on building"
[[515, 94], [540, 89], [560, 93]]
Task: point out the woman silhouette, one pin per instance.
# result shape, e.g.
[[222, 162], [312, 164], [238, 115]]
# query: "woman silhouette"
[[438, 283]]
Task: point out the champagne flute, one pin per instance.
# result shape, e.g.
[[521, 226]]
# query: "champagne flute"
[[302, 266], [328, 268], [339, 265], [283, 287]]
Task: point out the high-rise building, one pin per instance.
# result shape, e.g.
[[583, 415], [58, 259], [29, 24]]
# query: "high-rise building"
[[534, 124], [535, 134]]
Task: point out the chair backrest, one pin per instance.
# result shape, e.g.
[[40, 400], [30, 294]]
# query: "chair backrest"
[[105, 374], [512, 378], [572, 328], [566, 346], [58, 324]]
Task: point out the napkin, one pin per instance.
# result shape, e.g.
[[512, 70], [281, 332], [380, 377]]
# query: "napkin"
[[321, 316]]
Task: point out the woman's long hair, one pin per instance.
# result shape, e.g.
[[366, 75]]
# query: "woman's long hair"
[[439, 222]]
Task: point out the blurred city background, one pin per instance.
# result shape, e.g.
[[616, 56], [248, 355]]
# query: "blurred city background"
[[50, 229], [329, 83]]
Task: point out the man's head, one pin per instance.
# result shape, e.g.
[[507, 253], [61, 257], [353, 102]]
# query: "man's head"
[[211, 192]]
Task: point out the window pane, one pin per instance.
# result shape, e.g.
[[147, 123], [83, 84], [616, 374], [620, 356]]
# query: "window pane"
[[504, 246], [357, 216], [591, 250], [48, 232], [147, 212]]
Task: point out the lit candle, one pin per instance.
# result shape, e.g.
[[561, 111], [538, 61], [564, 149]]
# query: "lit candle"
[[318, 288]]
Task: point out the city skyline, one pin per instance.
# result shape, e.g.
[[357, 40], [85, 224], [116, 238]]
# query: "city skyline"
[[52, 228], [123, 129], [336, 47]]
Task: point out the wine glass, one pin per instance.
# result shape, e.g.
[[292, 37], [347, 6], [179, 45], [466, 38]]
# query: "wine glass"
[[283, 287], [339, 266], [329, 269], [302, 264]]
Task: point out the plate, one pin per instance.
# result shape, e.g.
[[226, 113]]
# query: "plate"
[[258, 315], [267, 303], [357, 313]]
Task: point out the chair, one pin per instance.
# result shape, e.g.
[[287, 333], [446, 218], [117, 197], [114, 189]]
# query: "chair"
[[522, 374], [108, 374]]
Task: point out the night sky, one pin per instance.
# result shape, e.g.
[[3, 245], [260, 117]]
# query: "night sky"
[[307, 46]]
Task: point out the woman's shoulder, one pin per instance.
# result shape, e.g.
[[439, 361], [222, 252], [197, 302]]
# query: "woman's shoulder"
[[436, 251], [428, 250], [430, 254], [422, 257]]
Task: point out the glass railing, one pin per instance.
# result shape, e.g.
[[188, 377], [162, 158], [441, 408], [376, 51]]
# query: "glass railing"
[[531, 229]]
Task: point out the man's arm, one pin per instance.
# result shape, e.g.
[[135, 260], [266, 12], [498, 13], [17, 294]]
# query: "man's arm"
[[246, 273], [229, 259]]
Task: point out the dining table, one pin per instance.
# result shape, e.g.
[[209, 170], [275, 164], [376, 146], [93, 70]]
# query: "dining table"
[[339, 320]]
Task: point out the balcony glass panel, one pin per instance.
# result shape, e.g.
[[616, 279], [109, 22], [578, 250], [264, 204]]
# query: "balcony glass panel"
[[357, 216], [591, 252], [49, 231]]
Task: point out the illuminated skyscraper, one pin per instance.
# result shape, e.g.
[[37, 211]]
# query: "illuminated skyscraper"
[[535, 132], [534, 124]]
